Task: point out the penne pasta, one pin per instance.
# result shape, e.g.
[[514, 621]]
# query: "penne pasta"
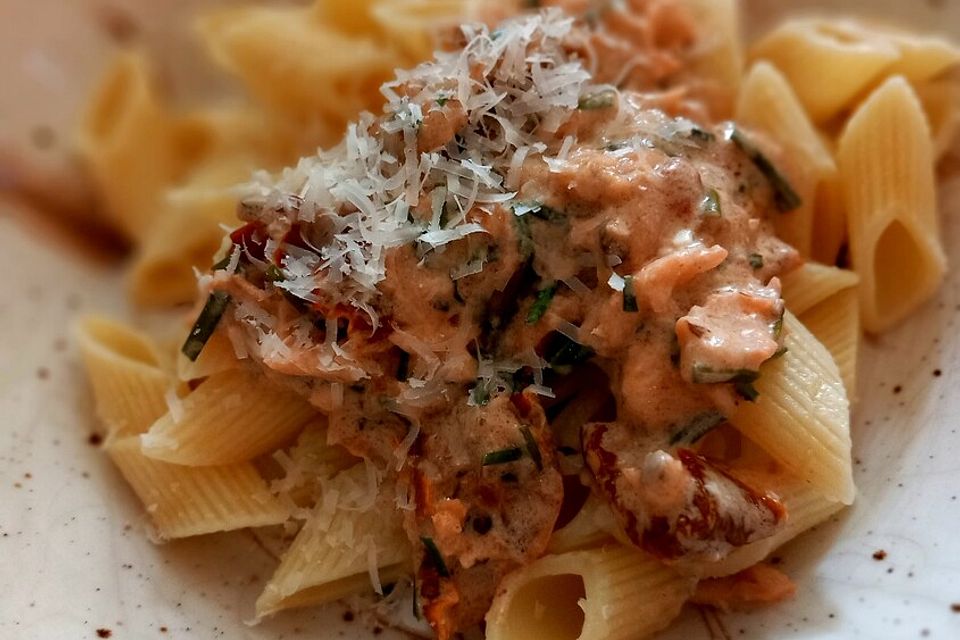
[[132, 145], [610, 593], [801, 417], [123, 366], [293, 63], [941, 104], [233, 416], [190, 501], [343, 548], [768, 104], [413, 26], [885, 159], [829, 63], [836, 324], [812, 283]]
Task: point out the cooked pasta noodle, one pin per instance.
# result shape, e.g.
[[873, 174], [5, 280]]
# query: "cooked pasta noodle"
[[886, 162]]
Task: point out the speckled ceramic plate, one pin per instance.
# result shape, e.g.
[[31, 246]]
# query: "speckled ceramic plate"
[[74, 562]]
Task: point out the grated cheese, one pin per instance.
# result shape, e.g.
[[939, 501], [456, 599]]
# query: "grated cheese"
[[365, 190]]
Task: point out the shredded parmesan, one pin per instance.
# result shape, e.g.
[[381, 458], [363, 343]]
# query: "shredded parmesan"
[[365, 192]]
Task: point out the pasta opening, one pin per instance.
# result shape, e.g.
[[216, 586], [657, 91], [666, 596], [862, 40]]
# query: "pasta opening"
[[113, 102], [547, 608], [899, 266]]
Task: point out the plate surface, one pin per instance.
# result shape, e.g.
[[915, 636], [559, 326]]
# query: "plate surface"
[[74, 562]]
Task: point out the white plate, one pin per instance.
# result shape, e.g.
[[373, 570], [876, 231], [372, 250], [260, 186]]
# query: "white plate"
[[73, 557]]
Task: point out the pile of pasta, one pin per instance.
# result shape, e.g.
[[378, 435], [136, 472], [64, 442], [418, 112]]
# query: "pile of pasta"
[[862, 113]]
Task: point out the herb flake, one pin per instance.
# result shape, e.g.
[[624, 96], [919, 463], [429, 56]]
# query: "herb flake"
[[205, 325], [603, 99], [629, 296], [699, 426], [503, 456], [710, 205], [434, 556], [541, 304], [533, 449], [755, 260], [784, 196]]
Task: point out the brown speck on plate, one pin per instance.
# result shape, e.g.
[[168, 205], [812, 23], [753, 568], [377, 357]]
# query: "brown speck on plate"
[[879, 554], [937, 373], [43, 373], [104, 633], [955, 607], [95, 439], [898, 389]]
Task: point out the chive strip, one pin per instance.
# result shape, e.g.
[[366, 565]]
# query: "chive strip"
[[710, 205], [273, 273], [747, 391], [532, 447], [703, 374], [403, 367], [629, 296], [755, 260], [603, 99], [777, 327], [699, 426], [540, 305], [433, 554], [502, 456], [205, 325], [223, 263], [567, 353], [784, 196], [700, 135]]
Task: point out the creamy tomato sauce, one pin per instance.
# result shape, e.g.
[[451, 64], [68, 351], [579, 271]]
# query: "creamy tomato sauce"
[[535, 220]]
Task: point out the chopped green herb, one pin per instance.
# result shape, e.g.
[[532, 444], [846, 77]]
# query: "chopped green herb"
[[747, 391], [480, 394], [503, 456], [710, 205], [540, 305], [567, 353], [777, 327], [629, 296], [205, 325], [701, 135], [433, 555], [784, 196], [273, 273], [222, 264], [756, 260], [524, 238], [548, 214], [603, 99], [532, 447], [698, 427], [442, 100], [403, 367], [703, 374]]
